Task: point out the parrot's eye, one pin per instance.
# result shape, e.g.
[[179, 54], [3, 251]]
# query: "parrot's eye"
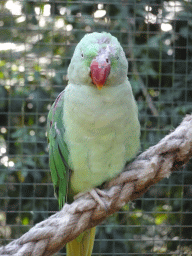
[[82, 55]]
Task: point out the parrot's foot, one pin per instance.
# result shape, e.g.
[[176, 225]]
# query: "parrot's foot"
[[96, 194]]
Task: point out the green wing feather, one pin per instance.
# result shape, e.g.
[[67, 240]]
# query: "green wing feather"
[[58, 152]]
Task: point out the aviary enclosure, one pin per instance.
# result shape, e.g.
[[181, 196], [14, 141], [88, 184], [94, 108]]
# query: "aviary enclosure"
[[37, 40]]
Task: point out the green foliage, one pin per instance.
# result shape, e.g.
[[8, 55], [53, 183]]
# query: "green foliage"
[[33, 71]]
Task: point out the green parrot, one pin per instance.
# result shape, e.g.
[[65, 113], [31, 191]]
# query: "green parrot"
[[93, 127]]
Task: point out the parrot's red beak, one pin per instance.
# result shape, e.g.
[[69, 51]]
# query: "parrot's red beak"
[[100, 72]]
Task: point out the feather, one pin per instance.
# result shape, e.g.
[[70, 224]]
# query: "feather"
[[58, 151]]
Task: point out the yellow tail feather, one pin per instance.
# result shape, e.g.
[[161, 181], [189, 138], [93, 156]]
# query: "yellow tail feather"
[[82, 245]]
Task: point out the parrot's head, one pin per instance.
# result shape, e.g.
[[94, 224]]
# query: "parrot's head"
[[98, 60]]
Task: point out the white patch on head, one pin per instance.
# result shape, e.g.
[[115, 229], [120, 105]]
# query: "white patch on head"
[[104, 40]]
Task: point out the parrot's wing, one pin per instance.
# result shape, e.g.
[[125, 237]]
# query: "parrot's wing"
[[58, 152]]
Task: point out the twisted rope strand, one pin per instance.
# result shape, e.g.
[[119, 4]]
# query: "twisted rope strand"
[[156, 163]]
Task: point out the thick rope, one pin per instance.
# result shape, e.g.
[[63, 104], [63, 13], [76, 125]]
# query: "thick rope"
[[50, 235]]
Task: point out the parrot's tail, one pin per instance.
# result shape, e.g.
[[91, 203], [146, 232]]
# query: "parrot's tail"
[[82, 245]]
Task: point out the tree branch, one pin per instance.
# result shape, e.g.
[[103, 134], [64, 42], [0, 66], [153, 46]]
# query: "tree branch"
[[156, 163]]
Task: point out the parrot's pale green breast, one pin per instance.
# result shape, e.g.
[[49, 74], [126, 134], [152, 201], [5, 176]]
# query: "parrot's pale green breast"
[[101, 131]]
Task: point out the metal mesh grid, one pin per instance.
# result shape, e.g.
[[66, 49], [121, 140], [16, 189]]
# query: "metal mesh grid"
[[37, 39]]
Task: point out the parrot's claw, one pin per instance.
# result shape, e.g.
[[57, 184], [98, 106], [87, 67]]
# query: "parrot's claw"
[[95, 194], [101, 193]]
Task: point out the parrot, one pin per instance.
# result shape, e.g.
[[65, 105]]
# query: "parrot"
[[93, 128]]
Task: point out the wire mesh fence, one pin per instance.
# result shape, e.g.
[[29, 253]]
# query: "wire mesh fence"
[[37, 40]]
